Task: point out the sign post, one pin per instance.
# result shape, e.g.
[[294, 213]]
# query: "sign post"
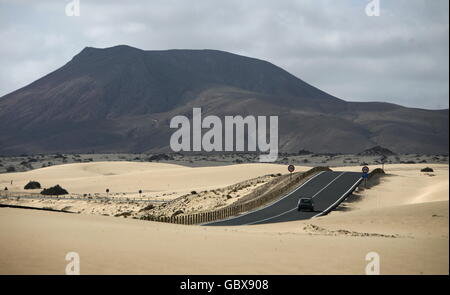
[[365, 175], [291, 169]]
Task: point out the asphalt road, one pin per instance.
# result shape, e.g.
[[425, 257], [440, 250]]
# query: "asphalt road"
[[327, 189]]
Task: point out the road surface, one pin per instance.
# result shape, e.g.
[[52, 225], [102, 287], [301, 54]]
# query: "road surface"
[[327, 189]]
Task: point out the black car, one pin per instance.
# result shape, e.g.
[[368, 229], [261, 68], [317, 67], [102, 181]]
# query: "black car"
[[305, 204]]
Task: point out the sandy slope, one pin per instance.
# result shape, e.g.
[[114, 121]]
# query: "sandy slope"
[[405, 184], [154, 179], [409, 231], [38, 242]]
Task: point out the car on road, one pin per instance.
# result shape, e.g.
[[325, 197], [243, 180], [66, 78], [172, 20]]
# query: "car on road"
[[305, 204]]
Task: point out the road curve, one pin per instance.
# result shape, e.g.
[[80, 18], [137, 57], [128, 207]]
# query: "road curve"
[[327, 189]]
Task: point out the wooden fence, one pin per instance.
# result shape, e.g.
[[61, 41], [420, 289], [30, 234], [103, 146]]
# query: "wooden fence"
[[265, 197]]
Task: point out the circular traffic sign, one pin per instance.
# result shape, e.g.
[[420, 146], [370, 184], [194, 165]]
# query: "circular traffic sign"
[[365, 169], [291, 168]]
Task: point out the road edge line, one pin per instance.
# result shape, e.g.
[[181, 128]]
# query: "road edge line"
[[327, 210], [268, 205]]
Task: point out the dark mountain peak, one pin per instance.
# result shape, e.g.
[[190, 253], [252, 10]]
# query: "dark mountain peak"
[[117, 48], [121, 98], [115, 51]]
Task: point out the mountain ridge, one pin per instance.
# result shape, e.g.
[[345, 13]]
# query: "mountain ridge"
[[110, 98]]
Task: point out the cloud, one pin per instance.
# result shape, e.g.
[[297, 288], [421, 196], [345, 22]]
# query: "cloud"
[[400, 56]]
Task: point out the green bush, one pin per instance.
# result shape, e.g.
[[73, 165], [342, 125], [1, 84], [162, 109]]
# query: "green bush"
[[54, 191], [32, 185]]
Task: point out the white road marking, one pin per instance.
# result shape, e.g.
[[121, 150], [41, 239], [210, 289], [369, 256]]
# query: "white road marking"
[[295, 208], [271, 217], [327, 185], [343, 196], [271, 204]]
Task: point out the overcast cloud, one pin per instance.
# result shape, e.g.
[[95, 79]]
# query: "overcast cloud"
[[400, 56]]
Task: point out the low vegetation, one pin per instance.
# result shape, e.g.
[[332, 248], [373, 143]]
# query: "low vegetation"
[[32, 185], [54, 191], [427, 169]]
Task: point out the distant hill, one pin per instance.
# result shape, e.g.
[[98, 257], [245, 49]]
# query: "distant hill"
[[121, 99], [377, 151]]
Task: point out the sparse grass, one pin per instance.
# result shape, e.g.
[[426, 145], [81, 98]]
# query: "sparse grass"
[[32, 185], [427, 169], [54, 191]]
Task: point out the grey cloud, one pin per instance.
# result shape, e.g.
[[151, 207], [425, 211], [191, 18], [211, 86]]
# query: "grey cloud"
[[400, 56]]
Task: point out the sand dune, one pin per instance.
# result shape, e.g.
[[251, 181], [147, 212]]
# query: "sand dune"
[[405, 184], [400, 219], [39, 241], [154, 179]]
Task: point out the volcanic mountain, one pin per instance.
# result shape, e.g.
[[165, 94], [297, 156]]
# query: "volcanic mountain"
[[121, 99]]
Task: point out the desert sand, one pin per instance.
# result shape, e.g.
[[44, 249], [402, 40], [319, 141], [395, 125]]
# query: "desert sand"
[[154, 179], [404, 219]]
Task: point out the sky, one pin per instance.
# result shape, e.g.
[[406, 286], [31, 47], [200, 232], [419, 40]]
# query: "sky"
[[399, 54]]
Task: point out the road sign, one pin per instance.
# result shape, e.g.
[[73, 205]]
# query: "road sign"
[[291, 168], [365, 174], [365, 169]]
